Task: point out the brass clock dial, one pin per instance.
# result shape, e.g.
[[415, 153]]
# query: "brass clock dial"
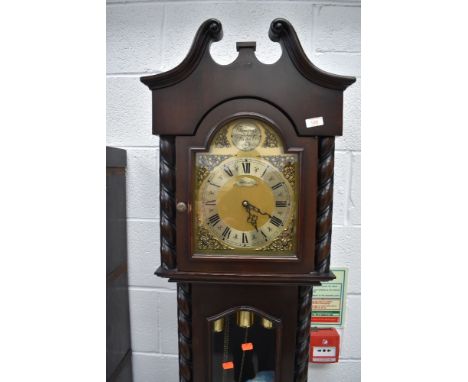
[[246, 202], [245, 192]]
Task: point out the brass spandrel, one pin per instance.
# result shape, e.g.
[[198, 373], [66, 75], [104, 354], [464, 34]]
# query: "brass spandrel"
[[245, 199]]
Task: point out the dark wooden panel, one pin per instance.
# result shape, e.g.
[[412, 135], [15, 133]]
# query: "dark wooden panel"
[[116, 220], [124, 371], [117, 322], [277, 301], [116, 208], [115, 157], [117, 308], [126, 374]]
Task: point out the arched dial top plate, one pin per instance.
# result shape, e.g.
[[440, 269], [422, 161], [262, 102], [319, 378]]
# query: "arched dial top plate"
[[245, 199]]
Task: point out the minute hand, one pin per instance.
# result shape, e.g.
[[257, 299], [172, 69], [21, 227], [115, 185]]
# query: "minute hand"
[[253, 208], [252, 218]]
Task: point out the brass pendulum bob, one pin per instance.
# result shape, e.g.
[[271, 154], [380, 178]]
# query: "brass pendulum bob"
[[267, 324], [245, 319], [218, 325]]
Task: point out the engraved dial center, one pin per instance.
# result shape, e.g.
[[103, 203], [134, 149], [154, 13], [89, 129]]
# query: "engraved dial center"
[[232, 200]]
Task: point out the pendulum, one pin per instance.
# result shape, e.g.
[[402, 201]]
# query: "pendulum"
[[245, 320]]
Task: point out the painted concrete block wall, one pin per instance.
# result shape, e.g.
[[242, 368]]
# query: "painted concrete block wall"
[[146, 37]]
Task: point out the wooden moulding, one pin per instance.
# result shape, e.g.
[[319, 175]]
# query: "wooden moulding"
[[303, 334], [183, 95], [246, 278], [184, 313], [167, 199], [323, 224]]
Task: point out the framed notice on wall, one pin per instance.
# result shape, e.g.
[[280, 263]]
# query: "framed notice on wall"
[[329, 301]]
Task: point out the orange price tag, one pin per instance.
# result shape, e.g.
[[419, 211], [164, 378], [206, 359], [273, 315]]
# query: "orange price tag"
[[247, 346], [228, 365]]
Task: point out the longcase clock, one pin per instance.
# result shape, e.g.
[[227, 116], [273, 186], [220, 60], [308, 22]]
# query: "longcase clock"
[[246, 174]]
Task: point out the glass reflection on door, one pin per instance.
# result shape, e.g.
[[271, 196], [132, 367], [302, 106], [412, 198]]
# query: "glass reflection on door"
[[243, 348]]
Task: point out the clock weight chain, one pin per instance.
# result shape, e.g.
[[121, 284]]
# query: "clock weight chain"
[[226, 348]]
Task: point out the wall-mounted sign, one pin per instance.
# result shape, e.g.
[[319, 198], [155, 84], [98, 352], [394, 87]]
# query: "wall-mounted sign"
[[329, 300]]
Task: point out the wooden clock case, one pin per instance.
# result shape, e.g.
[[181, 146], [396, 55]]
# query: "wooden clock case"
[[190, 103]]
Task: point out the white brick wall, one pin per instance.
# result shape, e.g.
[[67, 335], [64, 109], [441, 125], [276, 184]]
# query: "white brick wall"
[[153, 36]]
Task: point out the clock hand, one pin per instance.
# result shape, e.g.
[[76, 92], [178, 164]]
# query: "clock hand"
[[252, 218], [249, 206]]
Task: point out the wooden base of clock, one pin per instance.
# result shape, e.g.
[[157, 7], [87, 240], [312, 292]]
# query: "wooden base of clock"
[[243, 333]]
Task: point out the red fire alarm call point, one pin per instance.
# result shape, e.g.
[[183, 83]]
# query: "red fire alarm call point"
[[324, 345]]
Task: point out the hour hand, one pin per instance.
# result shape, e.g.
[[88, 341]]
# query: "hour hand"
[[252, 218]]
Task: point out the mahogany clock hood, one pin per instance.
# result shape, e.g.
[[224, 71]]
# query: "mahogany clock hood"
[[293, 83]]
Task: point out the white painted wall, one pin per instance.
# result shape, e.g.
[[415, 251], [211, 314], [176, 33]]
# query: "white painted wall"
[[146, 37]]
